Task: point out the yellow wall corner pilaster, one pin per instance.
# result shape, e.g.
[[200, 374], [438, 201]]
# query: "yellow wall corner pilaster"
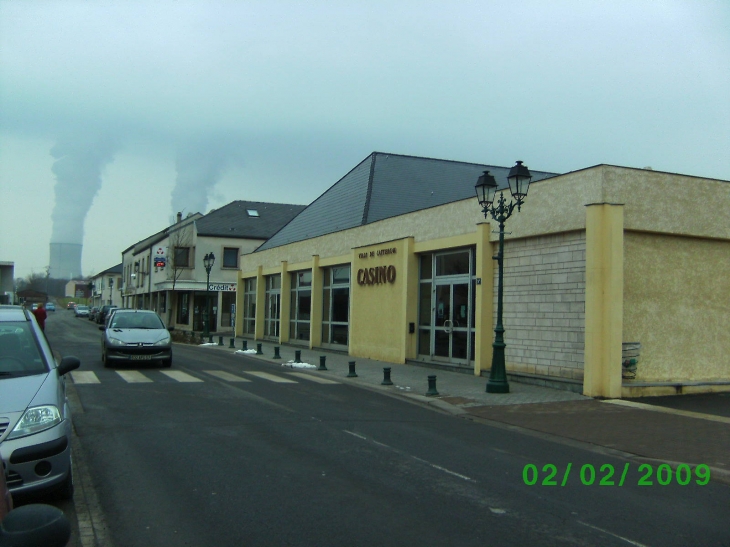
[[484, 301], [410, 300], [260, 304], [604, 300], [315, 317], [238, 331], [284, 303]]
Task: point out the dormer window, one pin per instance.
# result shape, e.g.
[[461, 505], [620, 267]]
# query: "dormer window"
[[252, 212]]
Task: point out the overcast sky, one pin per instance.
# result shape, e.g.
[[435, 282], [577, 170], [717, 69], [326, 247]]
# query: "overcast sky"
[[129, 111]]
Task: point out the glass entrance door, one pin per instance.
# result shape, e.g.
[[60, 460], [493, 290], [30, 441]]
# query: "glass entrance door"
[[451, 322], [446, 330]]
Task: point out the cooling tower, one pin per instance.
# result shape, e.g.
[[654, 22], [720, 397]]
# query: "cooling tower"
[[65, 261]]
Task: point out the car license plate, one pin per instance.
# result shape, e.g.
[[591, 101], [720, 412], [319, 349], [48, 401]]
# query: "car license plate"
[[141, 357]]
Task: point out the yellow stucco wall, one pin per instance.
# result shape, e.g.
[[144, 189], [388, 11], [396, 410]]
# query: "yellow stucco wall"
[[378, 322], [603, 300], [677, 304]]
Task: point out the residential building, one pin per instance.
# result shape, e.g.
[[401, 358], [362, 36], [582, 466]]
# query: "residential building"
[[166, 273], [107, 287]]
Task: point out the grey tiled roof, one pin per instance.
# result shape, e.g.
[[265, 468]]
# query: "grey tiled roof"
[[114, 269], [384, 186], [233, 220]]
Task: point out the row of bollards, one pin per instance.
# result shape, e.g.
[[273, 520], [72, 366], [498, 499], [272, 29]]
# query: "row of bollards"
[[322, 365]]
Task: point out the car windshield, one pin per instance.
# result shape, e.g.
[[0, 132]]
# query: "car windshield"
[[136, 321], [82, 308], [19, 353]]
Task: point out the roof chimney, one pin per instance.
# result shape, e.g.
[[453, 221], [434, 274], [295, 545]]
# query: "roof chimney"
[[179, 217]]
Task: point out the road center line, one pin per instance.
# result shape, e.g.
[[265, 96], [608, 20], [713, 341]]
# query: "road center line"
[[631, 541], [454, 473]]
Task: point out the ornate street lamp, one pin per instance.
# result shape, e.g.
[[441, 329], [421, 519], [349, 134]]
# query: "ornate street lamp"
[[208, 261], [486, 187]]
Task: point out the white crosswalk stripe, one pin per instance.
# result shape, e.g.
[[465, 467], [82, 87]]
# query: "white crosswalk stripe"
[[84, 377], [271, 377], [137, 377], [180, 376], [311, 378], [133, 376], [223, 375]]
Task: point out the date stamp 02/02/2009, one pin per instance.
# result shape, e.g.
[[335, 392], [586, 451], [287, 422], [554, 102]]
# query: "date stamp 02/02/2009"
[[606, 475]]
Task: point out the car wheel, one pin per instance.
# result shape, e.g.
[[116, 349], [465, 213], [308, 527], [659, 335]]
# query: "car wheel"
[[66, 490], [167, 363], [103, 358]]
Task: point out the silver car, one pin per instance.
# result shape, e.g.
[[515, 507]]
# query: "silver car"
[[35, 420], [135, 336]]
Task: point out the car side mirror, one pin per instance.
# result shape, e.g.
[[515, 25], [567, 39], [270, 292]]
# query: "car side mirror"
[[68, 364], [35, 524]]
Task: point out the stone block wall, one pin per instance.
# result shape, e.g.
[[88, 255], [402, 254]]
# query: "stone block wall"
[[544, 304]]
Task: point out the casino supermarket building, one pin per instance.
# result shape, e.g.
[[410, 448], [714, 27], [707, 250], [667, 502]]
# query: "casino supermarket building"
[[394, 262]]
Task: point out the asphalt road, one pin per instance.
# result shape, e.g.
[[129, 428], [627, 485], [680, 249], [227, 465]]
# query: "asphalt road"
[[266, 457]]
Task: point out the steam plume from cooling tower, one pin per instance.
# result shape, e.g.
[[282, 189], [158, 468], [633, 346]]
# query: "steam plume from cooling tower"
[[200, 166], [78, 166]]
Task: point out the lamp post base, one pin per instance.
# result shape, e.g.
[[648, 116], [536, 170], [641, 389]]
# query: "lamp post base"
[[497, 387]]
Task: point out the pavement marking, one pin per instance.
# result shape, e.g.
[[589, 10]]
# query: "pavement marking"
[[84, 377], [454, 473], [228, 377], [655, 408], [449, 471], [630, 541], [133, 376], [311, 378], [271, 377], [180, 376]]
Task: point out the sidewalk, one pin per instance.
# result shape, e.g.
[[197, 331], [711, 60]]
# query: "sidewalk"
[[649, 431]]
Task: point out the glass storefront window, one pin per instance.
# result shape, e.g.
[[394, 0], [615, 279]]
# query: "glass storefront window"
[[273, 306], [183, 308], [249, 306], [336, 306], [301, 305], [453, 263]]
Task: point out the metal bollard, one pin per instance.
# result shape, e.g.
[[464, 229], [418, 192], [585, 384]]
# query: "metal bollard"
[[220, 340], [322, 359], [210, 339], [258, 350], [298, 356], [245, 345], [432, 386], [233, 343], [352, 373], [276, 352], [202, 338], [386, 377]]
